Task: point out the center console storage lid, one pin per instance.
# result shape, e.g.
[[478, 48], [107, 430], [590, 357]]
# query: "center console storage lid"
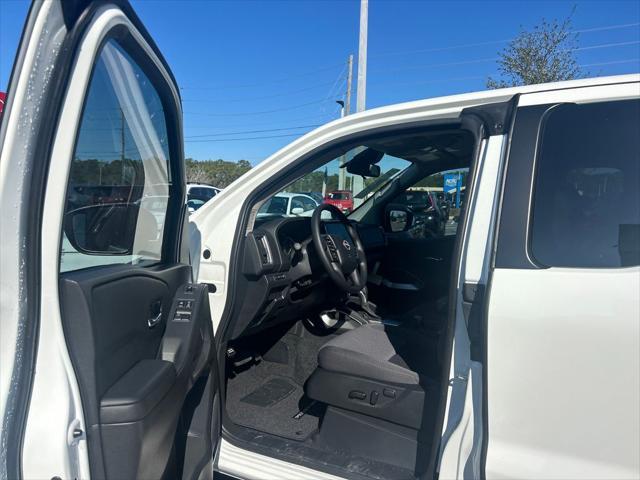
[[137, 392]]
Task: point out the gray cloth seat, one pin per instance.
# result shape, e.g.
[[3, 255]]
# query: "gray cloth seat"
[[372, 352]]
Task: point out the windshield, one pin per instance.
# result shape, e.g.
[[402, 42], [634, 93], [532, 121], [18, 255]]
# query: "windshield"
[[338, 196], [331, 183]]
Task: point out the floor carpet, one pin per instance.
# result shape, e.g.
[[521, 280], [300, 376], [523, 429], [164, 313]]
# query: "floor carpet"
[[264, 399]]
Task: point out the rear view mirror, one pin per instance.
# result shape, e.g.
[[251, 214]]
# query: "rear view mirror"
[[107, 229], [364, 163], [297, 211]]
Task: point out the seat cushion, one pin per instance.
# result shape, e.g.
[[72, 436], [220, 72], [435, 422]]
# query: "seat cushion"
[[370, 351]]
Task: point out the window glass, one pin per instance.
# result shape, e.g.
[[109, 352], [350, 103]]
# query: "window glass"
[[118, 187], [332, 184], [586, 206], [435, 202], [202, 193]]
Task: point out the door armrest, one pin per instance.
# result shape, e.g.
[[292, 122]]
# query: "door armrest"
[[137, 392]]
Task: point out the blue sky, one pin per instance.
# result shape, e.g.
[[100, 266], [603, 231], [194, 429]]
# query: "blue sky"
[[250, 66]]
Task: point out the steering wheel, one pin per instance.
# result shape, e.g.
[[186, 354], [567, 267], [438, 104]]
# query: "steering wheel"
[[343, 258]]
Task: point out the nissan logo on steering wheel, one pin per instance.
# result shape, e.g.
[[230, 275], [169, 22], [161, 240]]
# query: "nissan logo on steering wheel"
[[346, 244]]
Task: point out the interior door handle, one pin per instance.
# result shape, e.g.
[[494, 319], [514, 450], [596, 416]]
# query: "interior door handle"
[[155, 319]]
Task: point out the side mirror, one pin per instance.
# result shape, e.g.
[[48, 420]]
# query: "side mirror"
[[399, 218], [108, 229], [297, 211]]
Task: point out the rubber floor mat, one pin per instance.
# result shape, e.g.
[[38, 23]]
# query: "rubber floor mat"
[[269, 393]]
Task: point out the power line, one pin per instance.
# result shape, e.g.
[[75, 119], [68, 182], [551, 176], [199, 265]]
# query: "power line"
[[613, 62], [494, 42], [306, 118], [283, 94], [247, 138], [263, 112], [279, 80], [604, 45], [491, 59], [607, 27], [252, 131]]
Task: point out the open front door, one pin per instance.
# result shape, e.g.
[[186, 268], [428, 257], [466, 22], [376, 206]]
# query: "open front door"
[[109, 343]]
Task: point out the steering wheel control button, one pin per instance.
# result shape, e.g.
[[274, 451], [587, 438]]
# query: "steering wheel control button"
[[389, 393], [357, 395], [373, 399]]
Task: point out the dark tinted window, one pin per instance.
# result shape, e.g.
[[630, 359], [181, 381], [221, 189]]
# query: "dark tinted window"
[[202, 193], [275, 206], [586, 210]]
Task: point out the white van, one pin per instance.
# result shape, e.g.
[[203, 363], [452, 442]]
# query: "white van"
[[361, 346]]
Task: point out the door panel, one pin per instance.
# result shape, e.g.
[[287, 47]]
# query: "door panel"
[[121, 335]]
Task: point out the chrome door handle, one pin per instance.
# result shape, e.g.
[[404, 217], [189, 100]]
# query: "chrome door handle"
[[153, 321]]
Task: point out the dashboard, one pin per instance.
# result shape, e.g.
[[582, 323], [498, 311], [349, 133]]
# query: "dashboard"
[[283, 275]]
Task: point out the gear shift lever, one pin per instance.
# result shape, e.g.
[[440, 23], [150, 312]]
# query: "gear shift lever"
[[367, 306]]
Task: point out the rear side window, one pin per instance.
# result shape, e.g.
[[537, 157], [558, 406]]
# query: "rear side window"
[[586, 204], [202, 193], [118, 188]]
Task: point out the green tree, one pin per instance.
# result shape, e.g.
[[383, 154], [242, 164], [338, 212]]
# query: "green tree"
[[544, 54], [219, 173]]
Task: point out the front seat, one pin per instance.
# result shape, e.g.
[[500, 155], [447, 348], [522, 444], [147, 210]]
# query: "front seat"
[[382, 371]]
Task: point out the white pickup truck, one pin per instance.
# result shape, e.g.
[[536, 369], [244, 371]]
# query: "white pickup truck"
[[322, 346]]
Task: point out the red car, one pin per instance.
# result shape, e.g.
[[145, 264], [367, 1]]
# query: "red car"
[[343, 199]]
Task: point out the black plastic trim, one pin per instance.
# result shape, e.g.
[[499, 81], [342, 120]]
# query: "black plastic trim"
[[496, 117], [512, 243]]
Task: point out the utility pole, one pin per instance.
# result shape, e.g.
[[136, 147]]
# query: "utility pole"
[[347, 107], [362, 56], [357, 183], [345, 110]]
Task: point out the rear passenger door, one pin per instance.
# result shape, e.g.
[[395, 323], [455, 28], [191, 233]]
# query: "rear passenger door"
[[562, 326], [117, 335]]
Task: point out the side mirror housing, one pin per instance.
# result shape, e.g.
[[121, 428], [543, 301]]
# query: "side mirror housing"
[[297, 211], [398, 218], [108, 229]]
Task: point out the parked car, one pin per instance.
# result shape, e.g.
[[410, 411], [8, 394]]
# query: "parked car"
[[317, 196], [253, 347], [288, 205], [198, 194], [343, 199]]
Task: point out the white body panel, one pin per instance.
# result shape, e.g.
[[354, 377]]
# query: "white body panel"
[[564, 359], [56, 409], [564, 370]]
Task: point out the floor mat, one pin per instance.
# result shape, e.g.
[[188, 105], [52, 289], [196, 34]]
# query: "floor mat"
[[270, 392], [256, 399]]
